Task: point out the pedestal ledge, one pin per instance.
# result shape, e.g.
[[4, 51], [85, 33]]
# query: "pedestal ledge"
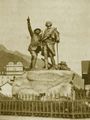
[[48, 75]]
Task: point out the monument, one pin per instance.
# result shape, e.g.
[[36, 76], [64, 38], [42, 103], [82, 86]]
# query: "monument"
[[44, 42], [53, 78]]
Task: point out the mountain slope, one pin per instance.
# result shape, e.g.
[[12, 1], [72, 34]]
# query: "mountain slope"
[[8, 56]]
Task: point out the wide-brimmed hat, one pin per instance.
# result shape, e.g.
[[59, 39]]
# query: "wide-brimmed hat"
[[37, 29]]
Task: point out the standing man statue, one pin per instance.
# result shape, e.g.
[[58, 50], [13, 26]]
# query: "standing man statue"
[[50, 37], [34, 47]]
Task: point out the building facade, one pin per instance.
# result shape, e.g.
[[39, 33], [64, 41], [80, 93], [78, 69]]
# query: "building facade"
[[14, 68], [6, 89], [86, 73]]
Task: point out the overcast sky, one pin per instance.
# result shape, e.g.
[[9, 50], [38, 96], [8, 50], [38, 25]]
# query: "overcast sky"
[[71, 17]]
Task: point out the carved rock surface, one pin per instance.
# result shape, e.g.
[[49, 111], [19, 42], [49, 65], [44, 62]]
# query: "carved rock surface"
[[47, 81]]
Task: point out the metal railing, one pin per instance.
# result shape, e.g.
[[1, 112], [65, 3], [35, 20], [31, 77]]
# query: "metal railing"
[[61, 107]]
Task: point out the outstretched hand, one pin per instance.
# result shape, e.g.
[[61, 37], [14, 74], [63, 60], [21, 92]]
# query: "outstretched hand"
[[28, 19]]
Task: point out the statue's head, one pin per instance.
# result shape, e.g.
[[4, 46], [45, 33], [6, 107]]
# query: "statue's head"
[[37, 31], [48, 24]]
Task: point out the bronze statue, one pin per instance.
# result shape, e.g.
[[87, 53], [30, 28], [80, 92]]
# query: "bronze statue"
[[50, 37], [34, 47]]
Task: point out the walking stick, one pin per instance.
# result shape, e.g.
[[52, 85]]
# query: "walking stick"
[[57, 53]]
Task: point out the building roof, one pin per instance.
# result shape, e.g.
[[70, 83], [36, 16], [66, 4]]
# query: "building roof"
[[5, 83], [14, 64]]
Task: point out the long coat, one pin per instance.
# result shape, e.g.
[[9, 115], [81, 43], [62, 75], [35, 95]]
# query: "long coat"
[[50, 37]]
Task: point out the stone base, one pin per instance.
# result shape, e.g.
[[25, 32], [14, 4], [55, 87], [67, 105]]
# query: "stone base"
[[47, 81]]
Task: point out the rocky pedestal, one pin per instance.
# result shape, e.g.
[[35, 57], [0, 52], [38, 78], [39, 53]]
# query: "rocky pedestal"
[[48, 82]]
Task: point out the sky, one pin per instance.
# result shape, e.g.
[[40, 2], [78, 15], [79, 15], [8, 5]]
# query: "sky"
[[71, 17]]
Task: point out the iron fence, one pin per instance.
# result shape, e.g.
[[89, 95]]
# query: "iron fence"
[[63, 107]]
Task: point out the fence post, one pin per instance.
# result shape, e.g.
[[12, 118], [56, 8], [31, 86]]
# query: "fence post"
[[72, 108], [72, 102], [32, 104], [72, 95], [51, 104], [0, 107], [16, 107]]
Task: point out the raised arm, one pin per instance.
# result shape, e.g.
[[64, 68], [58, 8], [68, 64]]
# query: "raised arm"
[[29, 27]]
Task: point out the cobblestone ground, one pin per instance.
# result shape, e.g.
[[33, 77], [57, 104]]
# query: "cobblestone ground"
[[33, 118]]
